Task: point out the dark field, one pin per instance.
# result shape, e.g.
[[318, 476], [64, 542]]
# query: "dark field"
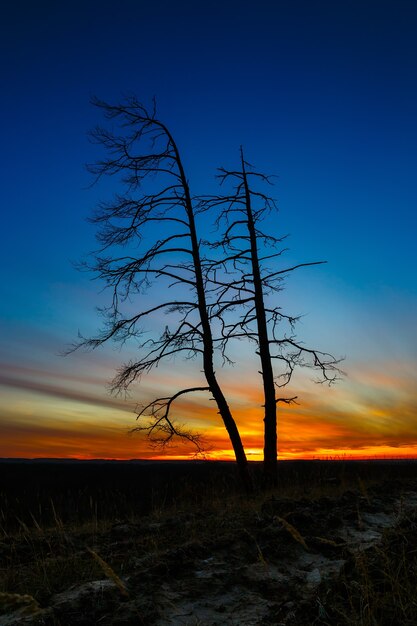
[[37, 492], [178, 543], [80, 491]]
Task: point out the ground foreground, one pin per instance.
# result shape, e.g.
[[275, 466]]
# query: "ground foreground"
[[175, 544]]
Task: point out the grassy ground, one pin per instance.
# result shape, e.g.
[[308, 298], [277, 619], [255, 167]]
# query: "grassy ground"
[[62, 525], [377, 587]]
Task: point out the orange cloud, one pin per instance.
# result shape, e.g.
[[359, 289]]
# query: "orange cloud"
[[48, 438], [372, 413]]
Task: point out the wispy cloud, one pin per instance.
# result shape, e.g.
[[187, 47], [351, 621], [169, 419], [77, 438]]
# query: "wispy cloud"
[[65, 393], [59, 413]]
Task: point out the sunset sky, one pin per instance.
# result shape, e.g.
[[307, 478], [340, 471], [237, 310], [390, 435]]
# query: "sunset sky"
[[324, 95]]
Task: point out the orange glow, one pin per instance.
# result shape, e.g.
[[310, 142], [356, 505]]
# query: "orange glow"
[[372, 415]]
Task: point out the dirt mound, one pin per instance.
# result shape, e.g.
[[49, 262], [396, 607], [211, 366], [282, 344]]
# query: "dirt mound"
[[274, 562]]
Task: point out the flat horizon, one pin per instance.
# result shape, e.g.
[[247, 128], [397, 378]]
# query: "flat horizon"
[[200, 461]]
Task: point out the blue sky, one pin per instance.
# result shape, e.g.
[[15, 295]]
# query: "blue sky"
[[322, 94]]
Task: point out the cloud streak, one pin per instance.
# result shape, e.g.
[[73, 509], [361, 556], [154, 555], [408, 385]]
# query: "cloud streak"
[[373, 411], [63, 393]]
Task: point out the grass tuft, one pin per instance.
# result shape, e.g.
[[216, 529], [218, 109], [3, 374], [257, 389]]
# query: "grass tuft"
[[13, 601], [109, 572], [295, 534]]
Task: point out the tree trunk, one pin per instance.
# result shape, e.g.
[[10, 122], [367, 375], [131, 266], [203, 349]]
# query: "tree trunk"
[[270, 464], [208, 364]]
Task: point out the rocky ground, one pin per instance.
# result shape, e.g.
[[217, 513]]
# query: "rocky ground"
[[339, 559]]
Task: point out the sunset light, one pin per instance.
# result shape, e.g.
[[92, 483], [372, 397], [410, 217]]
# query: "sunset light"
[[208, 313], [323, 101]]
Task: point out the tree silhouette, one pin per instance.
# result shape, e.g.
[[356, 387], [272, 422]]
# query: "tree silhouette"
[[240, 277], [153, 221]]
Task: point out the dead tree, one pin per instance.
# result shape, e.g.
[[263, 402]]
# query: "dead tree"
[[153, 222], [244, 278]]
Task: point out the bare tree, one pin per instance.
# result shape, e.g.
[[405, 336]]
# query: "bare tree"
[[153, 221], [242, 277]]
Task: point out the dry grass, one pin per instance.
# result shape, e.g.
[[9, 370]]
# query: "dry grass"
[[45, 549], [378, 587]]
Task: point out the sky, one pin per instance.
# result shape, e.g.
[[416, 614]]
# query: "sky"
[[321, 94]]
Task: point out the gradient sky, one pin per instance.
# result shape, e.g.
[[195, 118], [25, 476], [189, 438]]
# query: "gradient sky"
[[323, 94]]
